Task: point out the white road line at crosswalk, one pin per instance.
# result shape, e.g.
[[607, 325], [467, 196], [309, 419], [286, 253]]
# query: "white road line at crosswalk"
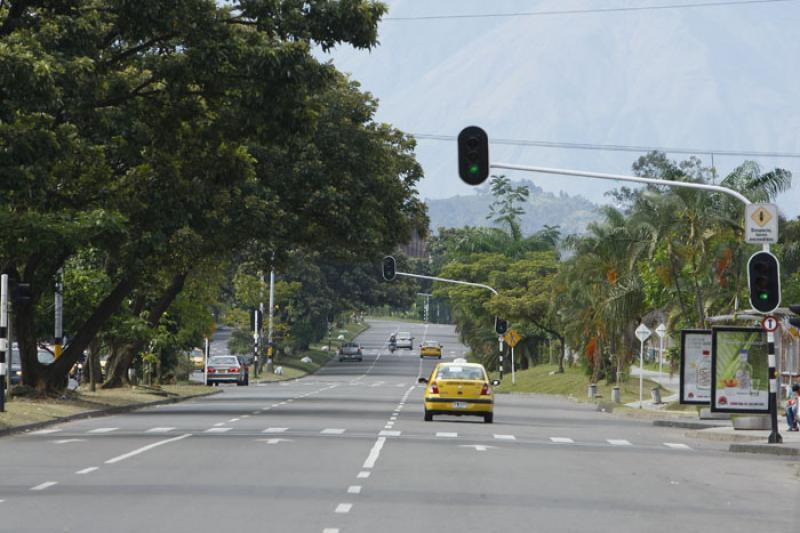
[[390, 433], [330, 530], [332, 431], [505, 437], [618, 442], [562, 440], [87, 470], [344, 508], [44, 485], [103, 430], [363, 475], [446, 435], [275, 430], [217, 430], [677, 446], [354, 489], [160, 430]]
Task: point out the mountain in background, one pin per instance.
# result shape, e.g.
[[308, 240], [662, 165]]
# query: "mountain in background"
[[707, 78], [570, 213]]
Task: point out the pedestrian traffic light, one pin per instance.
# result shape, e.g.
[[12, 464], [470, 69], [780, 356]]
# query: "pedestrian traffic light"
[[764, 280], [473, 155], [500, 326], [389, 268], [22, 293]]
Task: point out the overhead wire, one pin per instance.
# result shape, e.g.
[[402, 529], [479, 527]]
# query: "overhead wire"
[[584, 11]]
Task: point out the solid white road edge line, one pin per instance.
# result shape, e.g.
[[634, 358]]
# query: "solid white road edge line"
[[145, 448], [374, 453]]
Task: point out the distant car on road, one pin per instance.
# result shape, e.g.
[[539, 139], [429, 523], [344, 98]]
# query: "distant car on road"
[[227, 369], [459, 388], [430, 349], [350, 351], [404, 340]]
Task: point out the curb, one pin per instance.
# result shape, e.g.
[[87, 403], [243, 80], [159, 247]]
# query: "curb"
[[115, 410], [721, 437], [766, 449], [687, 424]]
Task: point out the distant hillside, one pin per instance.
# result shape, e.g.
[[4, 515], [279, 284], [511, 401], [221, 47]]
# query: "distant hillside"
[[571, 213]]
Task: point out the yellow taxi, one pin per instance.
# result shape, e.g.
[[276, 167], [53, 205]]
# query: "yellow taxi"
[[459, 388], [430, 349]]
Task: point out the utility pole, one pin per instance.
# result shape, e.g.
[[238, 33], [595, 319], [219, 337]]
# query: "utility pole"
[[4, 344], [271, 314], [59, 309]]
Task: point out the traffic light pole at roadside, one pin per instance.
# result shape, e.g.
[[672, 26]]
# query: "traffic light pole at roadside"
[[764, 286]]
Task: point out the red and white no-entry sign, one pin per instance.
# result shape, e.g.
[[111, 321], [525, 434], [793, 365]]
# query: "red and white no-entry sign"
[[769, 323]]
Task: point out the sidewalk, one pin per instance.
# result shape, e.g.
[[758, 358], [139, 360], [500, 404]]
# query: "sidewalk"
[[751, 441], [667, 382]]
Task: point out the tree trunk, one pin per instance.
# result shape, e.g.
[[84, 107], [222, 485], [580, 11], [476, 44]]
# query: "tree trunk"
[[24, 333], [117, 371]]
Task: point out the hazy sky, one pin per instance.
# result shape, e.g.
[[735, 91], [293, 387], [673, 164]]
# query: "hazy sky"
[[703, 78]]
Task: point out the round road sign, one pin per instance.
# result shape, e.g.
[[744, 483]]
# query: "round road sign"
[[769, 323]]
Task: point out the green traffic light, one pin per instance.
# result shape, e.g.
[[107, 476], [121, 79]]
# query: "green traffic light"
[[473, 169], [763, 296]]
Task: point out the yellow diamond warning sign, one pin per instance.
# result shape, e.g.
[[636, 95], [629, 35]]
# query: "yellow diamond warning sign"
[[761, 223], [512, 338]]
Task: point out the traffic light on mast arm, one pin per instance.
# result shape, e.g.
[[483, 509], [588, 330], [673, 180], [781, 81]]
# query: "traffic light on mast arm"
[[500, 326], [764, 281], [473, 155], [389, 268]]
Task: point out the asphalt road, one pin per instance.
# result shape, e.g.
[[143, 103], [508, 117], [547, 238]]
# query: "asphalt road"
[[347, 450]]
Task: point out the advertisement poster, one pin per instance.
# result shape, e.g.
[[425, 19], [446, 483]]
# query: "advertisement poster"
[[739, 370], [695, 366]]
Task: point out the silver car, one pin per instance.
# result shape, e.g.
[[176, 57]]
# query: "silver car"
[[226, 369], [350, 350]]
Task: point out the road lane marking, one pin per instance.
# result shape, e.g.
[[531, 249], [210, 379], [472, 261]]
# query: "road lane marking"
[[217, 430], [87, 470], [330, 530], [218, 424], [159, 430], [677, 446], [44, 485], [234, 419], [103, 430], [145, 448], [344, 508], [245, 416], [332, 431], [618, 442], [562, 440], [67, 441], [363, 475], [477, 447], [276, 441], [505, 437], [354, 489], [44, 432], [446, 435], [390, 433], [374, 453], [275, 430]]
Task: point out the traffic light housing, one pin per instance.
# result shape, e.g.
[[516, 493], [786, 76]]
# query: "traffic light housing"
[[389, 268], [22, 293], [764, 281], [500, 326], [795, 320], [473, 155]]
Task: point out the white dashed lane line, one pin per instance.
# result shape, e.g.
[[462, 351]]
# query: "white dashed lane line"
[[160, 430], [446, 435], [618, 442], [103, 430], [44, 485], [332, 431], [562, 440], [87, 470], [218, 430], [677, 446], [363, 474], [505, 437], [344, 508], [275, 430], [44, 432], [354, 489]]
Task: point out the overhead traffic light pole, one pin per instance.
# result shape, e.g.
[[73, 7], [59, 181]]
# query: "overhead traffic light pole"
[[763, 267]]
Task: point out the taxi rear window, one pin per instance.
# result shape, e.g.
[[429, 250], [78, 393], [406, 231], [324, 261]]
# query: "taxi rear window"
[[460, 372]]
